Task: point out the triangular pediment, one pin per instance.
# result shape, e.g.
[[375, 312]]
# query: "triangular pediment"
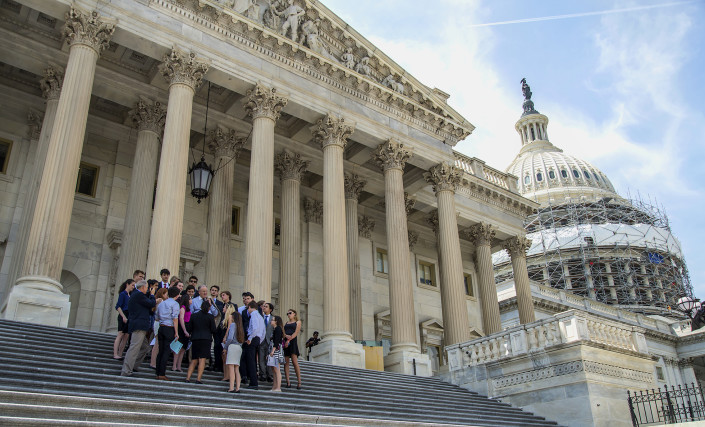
[[337, 53]]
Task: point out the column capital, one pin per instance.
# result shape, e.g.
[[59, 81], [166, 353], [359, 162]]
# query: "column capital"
[[332, 130], [226, 142], [87, 29], [264, 102], [353, 185], [432, 220], [365, 226], [409, 203], [183, 68], [313, 210], [290, 165], [481, 234], [413, 239], [391, 154], [148, 115], [51, 83], [34, 124], [444, 177], [517, 245]]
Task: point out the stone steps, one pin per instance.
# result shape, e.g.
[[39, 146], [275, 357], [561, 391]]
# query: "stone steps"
[[72, 378]]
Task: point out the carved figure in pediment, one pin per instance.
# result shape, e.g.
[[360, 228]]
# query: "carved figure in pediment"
[[393, 84], [271, 14], [252, 11], [363, 67], [348, 59], [291, 17]]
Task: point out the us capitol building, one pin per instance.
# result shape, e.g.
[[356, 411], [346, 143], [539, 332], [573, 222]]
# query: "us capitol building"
[[336, 192]]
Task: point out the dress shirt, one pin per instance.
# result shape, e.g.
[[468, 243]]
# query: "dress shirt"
[[167, 311], [164, 285], [196, 306], [256, 327]]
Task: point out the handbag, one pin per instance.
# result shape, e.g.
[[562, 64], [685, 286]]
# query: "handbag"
[[176, 346], [285, 343]]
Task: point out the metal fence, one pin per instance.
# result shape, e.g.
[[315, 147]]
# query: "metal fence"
[[667, 406]]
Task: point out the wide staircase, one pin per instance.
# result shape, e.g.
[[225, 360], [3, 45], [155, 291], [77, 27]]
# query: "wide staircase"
[[56, 376]]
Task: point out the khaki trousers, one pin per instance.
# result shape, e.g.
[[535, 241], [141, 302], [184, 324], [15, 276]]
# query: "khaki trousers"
[[139, 346]]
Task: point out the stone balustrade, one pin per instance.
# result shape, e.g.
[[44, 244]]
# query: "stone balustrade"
[[476, 167], [567, 327]]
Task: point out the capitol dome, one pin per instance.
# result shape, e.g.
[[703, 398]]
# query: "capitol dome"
[[548, 175]]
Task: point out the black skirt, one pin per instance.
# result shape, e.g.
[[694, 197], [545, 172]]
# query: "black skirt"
[[122, 326], [201, 349]]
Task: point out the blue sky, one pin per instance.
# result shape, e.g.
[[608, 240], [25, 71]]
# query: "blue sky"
[[622, 89]]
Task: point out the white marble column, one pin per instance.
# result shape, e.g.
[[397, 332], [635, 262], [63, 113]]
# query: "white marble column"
[[353, 186], [184, 74], [148, 117], [290, 167], [87, 35], [264, 106], [337, 346], [51, 89], [517, 247], [445, 179], [392, 156], [482, 235], [225, 145]]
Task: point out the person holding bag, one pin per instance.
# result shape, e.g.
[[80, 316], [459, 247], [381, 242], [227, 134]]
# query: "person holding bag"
[[275, 353]]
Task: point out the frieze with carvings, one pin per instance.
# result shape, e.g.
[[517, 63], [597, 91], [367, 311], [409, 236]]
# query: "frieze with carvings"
[[322, 49]]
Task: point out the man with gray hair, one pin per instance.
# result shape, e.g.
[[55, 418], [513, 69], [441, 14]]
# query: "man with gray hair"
[[203, 295], [140, 309]]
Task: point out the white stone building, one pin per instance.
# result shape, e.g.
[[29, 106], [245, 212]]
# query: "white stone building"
[[337, 191]]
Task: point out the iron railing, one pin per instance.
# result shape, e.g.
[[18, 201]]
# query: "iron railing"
[[668, 406]]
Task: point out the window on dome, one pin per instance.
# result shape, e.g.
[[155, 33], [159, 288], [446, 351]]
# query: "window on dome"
[[527, 180], [564, 173], [576, 173], [551, 174], [587, 174], [533, 136], [539, 177]]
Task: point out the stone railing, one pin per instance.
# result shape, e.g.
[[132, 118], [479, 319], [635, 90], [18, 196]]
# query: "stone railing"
[[567, 327], [478, 168]]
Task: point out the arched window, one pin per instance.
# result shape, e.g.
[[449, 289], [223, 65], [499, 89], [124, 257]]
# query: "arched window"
[[587, 174], [576, 173], [527, 180], [539, 176], [564, 173], [551, 174]]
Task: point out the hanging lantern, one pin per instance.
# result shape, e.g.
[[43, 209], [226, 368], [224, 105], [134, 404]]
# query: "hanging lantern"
[[201, 175]]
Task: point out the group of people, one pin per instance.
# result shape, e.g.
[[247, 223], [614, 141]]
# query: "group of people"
[[169, 319]]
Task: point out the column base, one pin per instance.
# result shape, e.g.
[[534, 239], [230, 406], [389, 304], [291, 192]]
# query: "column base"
[[340, 352], [402, 361], [36, 299]]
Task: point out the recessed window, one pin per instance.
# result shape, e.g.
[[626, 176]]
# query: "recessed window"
[[467, 279], [659, 374], [527, 180], [551, 174], [5, 148], [427, 273], [381, 261], [564, 173], [87, 179], [235, 220], [576, 173], [587, 174], [539, 177]]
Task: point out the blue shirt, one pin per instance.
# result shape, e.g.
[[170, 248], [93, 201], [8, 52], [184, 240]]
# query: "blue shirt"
[[123, 300], [167, 311], [196, 306], [256, 327]]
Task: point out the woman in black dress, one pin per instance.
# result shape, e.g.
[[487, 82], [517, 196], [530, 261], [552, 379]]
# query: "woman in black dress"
[[184, 318], [291, 348], [201, 327]]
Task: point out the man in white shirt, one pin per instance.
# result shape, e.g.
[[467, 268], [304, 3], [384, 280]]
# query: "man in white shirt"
[[164, 283], [264, 373], [255, 335]]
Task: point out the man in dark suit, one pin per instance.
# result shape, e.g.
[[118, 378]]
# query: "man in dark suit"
[[264, 373], [215, 363], [164, 283], [247, 297], [140, 309]]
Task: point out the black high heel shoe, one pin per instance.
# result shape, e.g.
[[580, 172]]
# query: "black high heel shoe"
[[288, 385]]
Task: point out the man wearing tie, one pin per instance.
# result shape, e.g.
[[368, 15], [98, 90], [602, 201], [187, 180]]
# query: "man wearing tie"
[[264, 373], [255, 335], [164, 283]]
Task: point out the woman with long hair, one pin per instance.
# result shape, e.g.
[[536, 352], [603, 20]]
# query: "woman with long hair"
[[275, 352], [121, 307], [201, 327], [292, 328], [184, 336], [234, 337], [227, 318], [160, 296]]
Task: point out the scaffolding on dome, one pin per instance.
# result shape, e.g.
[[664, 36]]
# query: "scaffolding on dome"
[[615, 251]]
